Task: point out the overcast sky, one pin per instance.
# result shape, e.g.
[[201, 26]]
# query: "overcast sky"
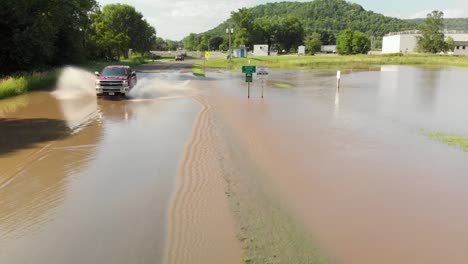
[[174, 19]]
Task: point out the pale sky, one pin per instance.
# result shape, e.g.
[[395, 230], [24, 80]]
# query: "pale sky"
[[175, 19]]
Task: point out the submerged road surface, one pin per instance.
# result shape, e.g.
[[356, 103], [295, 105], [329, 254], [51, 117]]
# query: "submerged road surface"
[[190, 171], [89, 181]]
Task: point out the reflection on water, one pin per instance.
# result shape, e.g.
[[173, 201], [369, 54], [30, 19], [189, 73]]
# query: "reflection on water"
[[429, 87], [12, 104], [92, 178], [337, 103], [354, 166], [42, 152], [86, 173]]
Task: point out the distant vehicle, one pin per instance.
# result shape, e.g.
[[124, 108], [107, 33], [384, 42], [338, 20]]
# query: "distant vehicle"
[[328, 49], [115, 80], [179, 57]]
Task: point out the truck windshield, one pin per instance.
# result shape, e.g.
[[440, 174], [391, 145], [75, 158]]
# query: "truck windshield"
[[113, 72]]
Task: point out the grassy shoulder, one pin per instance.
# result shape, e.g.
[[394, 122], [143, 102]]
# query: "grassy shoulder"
[[198, 69], [343, 62], [12, 86], [16, 85], [451, 140]]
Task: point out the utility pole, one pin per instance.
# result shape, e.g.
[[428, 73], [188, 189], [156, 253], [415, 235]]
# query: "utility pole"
[[229, 31]]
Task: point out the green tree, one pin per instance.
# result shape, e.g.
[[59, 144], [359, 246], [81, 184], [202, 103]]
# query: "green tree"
[[327, 17], [432, 37], [313, 43], [215, 42], [450, 44], [344, 43], [290, 34], [360, 43], [352, 42], [204, 44], [267, 31], [172, 45], [42, 33], [160, 44], [124, 19], [243, 34], [190, 42], [327, 37]]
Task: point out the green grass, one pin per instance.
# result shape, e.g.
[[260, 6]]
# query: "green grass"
[[342, 62], [12, 86], [451, 140], [282, 85], [198, 70]]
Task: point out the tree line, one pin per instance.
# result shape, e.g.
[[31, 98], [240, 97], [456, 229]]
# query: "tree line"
[[38, 34], [286, 25]]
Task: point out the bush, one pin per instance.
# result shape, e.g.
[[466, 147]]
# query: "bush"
[[12, 86], [352, 42]]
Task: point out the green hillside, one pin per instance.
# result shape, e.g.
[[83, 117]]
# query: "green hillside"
[[327, 17], [460, 24]]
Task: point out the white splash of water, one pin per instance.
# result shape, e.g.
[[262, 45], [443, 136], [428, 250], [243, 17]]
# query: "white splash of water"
[[75, 83], [159, 88], [77, 97]]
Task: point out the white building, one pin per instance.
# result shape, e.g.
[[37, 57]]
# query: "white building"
[[407, 42], [260, 50], [461, 43], [239, 52], [328, 49], [400, 42], [301, 50]]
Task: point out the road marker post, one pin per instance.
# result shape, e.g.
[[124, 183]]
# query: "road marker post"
[[338, 79], [262, 74], [249, 71], [207, 56]]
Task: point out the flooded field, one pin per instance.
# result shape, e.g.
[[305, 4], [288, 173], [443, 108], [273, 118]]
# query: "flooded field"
[[188, 170]]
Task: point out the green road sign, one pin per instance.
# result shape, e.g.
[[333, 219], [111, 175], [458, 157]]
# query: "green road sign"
[[248, 77], [249, 69]]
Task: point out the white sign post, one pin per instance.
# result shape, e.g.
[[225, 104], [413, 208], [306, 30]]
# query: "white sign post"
[[338, 78], [262, 73]]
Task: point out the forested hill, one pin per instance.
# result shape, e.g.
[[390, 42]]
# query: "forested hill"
[[450, 23], [329, 16]]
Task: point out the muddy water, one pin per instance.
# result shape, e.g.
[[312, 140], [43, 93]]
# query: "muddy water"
[[354, 165], [86, 180], [89, 181]]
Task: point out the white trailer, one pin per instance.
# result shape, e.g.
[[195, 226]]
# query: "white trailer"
[[261, 50], [328, 49]]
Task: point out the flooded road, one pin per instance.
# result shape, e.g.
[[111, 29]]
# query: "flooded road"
[[346, 173], [89, 181], [354, 164]]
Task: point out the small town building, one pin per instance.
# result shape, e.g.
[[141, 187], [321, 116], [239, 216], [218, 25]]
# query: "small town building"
[[239, 52], [260, 50], [461, 44], [301, 51], [407, 42], [461, 48]]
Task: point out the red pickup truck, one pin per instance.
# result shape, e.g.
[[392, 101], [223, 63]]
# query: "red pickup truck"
[[115, 80]]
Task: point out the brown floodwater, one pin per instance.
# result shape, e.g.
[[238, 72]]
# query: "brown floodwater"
[[89, 181], [86, 180], [354, 164]]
